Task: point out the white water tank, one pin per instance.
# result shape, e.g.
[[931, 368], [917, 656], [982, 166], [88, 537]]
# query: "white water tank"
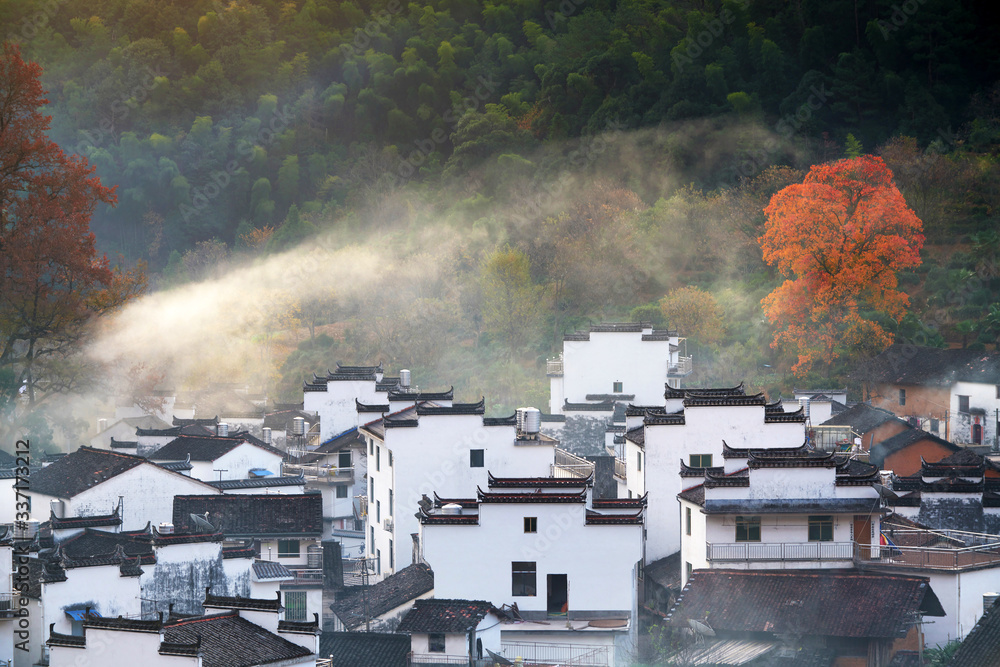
[[266, 435], [532, 420], [451, 509], [298, 426], [804, 404], [222, 429], [404, 379], [988, 600], [166, 528]]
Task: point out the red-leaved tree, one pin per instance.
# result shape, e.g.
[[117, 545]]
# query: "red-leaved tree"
[[839, 238], [52, 279]]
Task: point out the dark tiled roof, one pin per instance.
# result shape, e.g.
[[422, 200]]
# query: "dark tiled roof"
[[370, 649], [500, 421], [738, 390], [230, 641], [208, 421], [694, 400], [113, 519], [395, 590], [964, 458], [981, 647], [378, 408], [605, 398], [532, 497], [258, 482], [696, 494], [124, 444], [904, 439], [540, 482], [239, 602], [551, 418], [637, 435], [83, 469], [191, 429], [176, 466], [454, 409], [205, 448], [598, 519], [91, 543], [912, 365], [836, 603], [666, 571], [655, 419], [255, 515], [434, 615], [861, 417], [604, 406], [415, 396]]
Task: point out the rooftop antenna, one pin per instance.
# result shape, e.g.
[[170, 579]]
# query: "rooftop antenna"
[[220, 471]]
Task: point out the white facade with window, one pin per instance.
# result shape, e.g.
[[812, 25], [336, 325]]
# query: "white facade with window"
[[974, 413]]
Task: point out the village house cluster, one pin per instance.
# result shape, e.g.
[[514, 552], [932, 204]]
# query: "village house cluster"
[[635, 520]]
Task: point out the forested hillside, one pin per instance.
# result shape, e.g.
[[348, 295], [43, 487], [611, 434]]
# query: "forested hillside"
[[594, 154]]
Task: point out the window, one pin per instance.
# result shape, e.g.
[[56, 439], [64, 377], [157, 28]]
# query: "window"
[[371, 446], [821, 528], [638, 461], [295, 606], [390, 458], [977, 434], [435, 642], [531, 524], [522, 579], [392, 556], [935, 425], [476, 458], [371, 545], [378, 458], [748, 529], [288, 548], [344, 460], [371, 490], [701, 461], [687, 520], [998, 391], [902, 397], [378, 561], [616, 387], [963, 404], [688, 569], [378, 511], [341, 490], [390, 502]]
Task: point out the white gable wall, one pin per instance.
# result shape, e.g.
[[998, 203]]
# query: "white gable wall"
[[592, 367], [336, 407]]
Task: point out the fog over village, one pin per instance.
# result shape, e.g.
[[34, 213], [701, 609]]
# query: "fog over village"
[[538, 332]]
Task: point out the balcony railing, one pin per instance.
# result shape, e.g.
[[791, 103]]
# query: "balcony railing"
[[571, 465], [966, 551], [554, 367], [620, 469], [540, 653], [319, 473], [779, 551], [438, 659], [683, 367], [7, 609], [307, 575]]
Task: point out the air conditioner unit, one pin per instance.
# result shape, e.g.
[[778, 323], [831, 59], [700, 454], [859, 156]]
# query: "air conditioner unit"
[[387, 524]]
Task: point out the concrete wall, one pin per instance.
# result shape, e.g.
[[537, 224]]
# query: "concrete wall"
[[336, 407], [592, 367], [474, 562], [906, 461]]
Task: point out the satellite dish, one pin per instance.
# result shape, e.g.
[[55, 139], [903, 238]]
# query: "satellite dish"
[[885, 491], [202, 522], [499, 659], [701, 628]]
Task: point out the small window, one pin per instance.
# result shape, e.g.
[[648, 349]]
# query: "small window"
[[390, 502], [821, 528], [638, 461], [687, 520], [378, 561], [390, 458], [392, 557], [902, 397], [748, 529], [378, 511], [701, 460], [963, 404], [476, 458], [616, 387], [688, 569], [435, 642], [341, 490], [378, 458], [344, 460], [371, 446], [371, 545], [288, 548], [522, 579], [998, 391], [531, 524], [935, 425], [371, 485], [295, 606], [977, 434]]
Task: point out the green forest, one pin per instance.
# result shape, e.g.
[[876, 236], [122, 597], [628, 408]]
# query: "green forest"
[[556, 163]]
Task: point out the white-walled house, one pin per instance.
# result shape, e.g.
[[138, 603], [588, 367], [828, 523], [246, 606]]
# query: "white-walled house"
[[92, 482], [218, 457], [381, 606], [241, 631], [546, 546], [429, 448], [124, 429], [691, 432], [448, 630], [334, 397], [780, 509]]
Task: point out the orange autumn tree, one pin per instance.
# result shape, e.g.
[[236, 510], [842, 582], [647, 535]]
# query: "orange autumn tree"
[[839, 238]]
